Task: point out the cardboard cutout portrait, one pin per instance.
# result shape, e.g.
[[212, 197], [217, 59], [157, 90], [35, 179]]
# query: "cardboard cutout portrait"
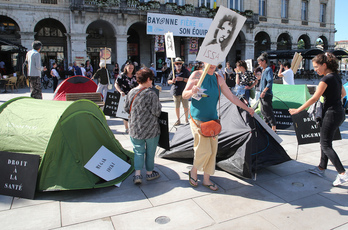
[[221, 36], [170, 48]]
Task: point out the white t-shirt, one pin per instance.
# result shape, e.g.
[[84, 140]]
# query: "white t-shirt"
[[83, 70], [288, 78]]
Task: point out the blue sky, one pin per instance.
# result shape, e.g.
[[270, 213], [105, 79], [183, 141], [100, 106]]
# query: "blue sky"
[[341, 20]]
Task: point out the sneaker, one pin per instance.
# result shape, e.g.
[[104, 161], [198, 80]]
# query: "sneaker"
[[137, 179], [317, 171], [340, 179], [177, 123], [127, 131], [153, 175]]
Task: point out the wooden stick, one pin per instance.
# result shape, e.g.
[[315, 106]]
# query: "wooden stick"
[[205, 71], [105, 56], [171, 60]]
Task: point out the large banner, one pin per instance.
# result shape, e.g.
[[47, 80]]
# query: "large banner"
[[159, 24]]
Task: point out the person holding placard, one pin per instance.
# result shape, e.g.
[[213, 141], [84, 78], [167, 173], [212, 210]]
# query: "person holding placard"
[[178, 82], [266, 91], [287, 74], [144, 109], [125, 82], [333, 115], [102, 76], [203, 110]]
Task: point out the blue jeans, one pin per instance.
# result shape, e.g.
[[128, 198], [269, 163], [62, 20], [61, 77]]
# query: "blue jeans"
[[144, 148]]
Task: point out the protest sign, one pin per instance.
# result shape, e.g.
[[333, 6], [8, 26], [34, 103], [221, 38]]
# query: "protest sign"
[[106, 164], [307, 130], [18, 174], [170, 48], [120, 109], [111, 103], [164, 137], [221, 35]]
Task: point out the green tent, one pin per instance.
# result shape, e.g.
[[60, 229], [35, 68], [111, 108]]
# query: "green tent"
[[285, 97], [289, 96], [65, 134]]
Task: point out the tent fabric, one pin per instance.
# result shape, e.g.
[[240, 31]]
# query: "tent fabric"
[[289, 96], [65, 134], [244, 146], [74, 84]]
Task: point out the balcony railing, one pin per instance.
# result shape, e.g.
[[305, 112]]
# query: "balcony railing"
[[129, 6], [49, 1]]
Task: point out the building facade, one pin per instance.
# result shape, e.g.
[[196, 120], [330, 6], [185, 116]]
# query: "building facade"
[[75, 30]]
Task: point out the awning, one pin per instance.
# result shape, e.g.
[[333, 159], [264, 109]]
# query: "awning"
[[289, 54], [7, 45], [339, 53]]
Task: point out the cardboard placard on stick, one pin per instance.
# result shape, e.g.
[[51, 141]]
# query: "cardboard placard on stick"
[[170, 49], [221, 35]]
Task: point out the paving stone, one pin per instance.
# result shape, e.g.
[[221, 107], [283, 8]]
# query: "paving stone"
[[173, 191], [311, 212], [43, 216], [180, 215], [250, 222], [104, 224], [102, 205], [237, 202], [296, 186]]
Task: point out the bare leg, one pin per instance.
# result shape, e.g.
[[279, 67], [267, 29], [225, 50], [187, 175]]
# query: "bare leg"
[[194, 175], [206, 181], [186, 114], [125, 124], [177, 111]]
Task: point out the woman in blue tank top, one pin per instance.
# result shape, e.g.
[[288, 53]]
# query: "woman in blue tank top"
[[330, 86], [205, 109]]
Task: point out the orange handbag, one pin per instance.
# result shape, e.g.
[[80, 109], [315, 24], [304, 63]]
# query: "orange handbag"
[[210, 128]]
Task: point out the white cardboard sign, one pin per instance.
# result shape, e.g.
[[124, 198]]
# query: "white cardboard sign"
[[107, 165], [170, 48], [221, 35], [120, 109]]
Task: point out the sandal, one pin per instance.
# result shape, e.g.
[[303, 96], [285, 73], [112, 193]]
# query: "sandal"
[[153, 175], [190, 178], [211, 187], [177, 123], [137, 179]]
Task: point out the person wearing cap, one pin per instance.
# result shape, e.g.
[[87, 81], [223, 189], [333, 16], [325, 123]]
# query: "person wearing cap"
[[178, 83]]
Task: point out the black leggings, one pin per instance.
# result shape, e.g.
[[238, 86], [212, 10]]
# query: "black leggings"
[[332, 119], [267, 109]]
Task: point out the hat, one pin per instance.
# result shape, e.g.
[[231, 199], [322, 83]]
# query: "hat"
[[178, 60]]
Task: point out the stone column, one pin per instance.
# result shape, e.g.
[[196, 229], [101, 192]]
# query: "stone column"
[[121, 48], [249, 49], [273, 45], [78, 46], [27, 39]]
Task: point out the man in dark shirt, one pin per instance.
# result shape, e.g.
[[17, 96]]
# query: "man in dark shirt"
[[178, 85], [77, 69]]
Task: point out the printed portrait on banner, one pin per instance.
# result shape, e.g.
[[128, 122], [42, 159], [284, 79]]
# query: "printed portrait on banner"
[[221, 36], [170, 48]]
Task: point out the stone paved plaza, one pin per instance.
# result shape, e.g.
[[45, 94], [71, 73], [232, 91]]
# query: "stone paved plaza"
[[283, 196]]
